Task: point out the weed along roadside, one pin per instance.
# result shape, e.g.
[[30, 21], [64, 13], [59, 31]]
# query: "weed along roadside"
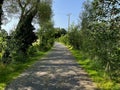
[[94, 70], [12, 71], [58, 70], [29, 29]]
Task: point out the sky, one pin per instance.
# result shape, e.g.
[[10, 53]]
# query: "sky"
[[61, 9]]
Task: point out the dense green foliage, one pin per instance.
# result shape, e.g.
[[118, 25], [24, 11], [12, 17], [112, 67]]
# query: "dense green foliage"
[[60, 32], [46, 32], [99, 36], [46, 36], [94, 70], [17, 45], [22, 47]]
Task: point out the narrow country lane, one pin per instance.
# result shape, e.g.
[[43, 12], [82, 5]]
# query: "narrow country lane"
[[57, 71]]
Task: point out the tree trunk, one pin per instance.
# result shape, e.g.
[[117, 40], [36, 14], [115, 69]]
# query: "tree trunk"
[[24, 32], [1, 11]]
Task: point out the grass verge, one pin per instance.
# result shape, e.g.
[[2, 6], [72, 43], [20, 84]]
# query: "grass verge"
[[12, 71], [95, 72]]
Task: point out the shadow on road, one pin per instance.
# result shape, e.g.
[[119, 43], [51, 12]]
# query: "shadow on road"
[[57, 71]]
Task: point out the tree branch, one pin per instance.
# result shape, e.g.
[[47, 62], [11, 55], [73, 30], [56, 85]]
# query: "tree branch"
[[19, 3]]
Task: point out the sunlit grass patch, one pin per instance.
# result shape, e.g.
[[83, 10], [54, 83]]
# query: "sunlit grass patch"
[[2, 85], [0, 55], [95, 71], [13, 70]]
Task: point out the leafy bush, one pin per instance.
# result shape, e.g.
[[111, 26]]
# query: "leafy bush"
[[19, 57]]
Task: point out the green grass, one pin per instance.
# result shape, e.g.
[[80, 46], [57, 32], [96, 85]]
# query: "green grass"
[[95, 72], [12, 71]]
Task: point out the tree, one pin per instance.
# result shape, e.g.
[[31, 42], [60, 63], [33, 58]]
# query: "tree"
[[24, 33], [3, 36], [60, 32], [101, 34], [3, 45], [46, 36], [46, 32], [108, 49], [23, 36], [1, 11], [27, 10], [44, 13], [74, 37]]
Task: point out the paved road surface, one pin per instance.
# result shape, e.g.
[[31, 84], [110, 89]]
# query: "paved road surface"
[[57, 71]]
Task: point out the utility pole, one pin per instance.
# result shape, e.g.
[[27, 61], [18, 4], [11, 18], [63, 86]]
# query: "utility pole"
[[69, 21]]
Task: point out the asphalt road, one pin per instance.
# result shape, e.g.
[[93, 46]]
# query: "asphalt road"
[[56, 71]]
